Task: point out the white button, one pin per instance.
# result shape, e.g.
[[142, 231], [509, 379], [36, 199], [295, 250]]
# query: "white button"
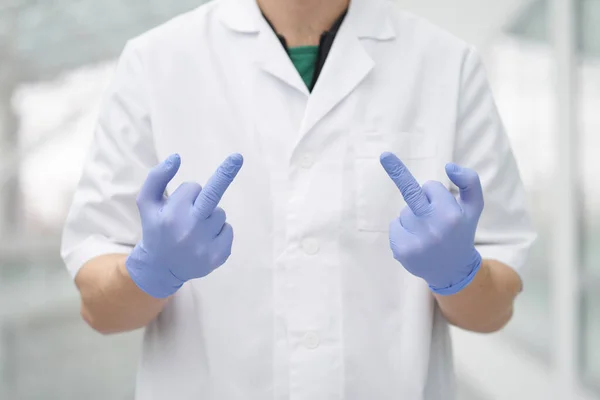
[[307, 161], [310, 246], [311, 340]]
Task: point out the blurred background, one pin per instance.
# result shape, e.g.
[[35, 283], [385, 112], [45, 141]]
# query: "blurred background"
[[543, 59]]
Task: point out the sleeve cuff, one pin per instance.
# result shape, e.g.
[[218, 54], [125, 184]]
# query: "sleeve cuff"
[[90, 249], [513, 256]]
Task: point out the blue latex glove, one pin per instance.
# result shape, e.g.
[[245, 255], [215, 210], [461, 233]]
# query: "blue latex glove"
[[434, 236], [184, 236]]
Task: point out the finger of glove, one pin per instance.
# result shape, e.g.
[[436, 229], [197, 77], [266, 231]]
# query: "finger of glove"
[[151, 195], [184, 195], [213, 191], [223, 244], [407, 184], [401, 241], [410, 222], [469, 185], [214, 224], [437, 193]]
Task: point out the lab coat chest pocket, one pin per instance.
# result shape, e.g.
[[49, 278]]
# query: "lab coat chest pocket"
[[378, 200]]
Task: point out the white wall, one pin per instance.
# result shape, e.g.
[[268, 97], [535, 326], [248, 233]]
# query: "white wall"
[[475, 21]]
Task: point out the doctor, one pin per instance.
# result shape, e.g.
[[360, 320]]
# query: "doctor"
[[329, 265]]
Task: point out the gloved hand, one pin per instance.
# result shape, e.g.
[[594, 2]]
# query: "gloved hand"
[[184, 236], [434, 236]]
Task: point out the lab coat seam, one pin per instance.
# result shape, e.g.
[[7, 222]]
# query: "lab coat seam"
[[458, 108], [148, 109]]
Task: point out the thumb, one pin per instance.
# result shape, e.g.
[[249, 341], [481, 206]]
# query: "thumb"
[[153, 190], [469, 185]]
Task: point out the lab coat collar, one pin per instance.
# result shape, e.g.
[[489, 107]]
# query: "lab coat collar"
[[347, 64], [369, 18]]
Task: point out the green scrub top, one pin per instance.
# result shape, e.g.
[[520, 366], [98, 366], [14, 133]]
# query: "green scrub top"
[[309, 60], [304, 59]]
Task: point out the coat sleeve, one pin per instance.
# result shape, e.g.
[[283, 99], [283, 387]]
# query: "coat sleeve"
[[505, 232], [103, 218]]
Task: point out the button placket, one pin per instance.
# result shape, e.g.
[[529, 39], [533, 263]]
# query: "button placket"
[[311, 340], [310, 246]]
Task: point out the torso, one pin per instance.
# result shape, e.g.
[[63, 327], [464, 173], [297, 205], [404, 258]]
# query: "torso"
[[311, 305]]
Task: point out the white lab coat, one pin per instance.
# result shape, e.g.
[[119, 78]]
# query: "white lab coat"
[[311, 305]]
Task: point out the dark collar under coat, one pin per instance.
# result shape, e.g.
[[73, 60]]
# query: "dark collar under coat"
[[325, 43]]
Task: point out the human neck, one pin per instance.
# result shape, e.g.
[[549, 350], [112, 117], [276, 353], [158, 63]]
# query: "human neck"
[[302, 22]]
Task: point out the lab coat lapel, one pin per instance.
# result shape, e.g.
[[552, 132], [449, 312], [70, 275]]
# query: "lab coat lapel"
[[244, 16], [346, 66], [348, 62], [273, 59]]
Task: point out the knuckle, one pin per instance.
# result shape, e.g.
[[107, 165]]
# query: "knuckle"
[[220, 257], [205, 260], [405, 252], [453, 217], [180, 240], [215, 260], [398, 251], [434, 185], [200, 252], [404, 214], [418, 248], [430, 184], [192, 185], [412, 252], [436, 235], [220, 213], [229, 232], [167, 219], [196, 212]]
